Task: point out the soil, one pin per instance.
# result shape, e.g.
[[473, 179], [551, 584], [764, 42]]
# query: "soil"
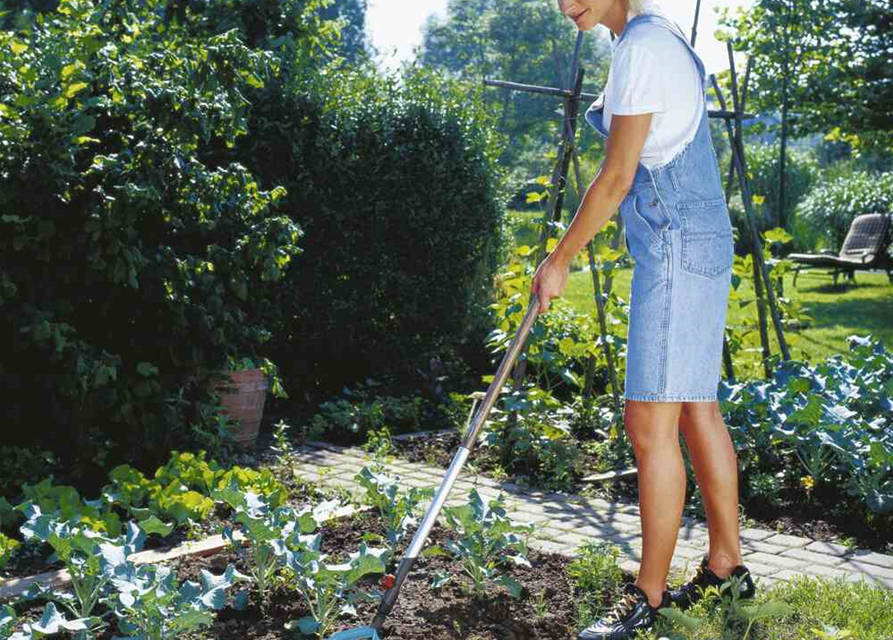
[[791, 514], [421, 612]]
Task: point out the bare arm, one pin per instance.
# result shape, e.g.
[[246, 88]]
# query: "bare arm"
[[624, 147]]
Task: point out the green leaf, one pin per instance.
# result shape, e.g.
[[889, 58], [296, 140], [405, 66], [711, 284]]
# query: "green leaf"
[[153, 525], [147, 369], [73, 88], [511, 584], [434, 550], [765, 610], [676, 616]]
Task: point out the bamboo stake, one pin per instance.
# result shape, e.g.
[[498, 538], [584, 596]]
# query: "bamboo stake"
[[599, 305]]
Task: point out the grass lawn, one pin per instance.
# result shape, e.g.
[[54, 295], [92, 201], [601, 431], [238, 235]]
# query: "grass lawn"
[[837, 311]]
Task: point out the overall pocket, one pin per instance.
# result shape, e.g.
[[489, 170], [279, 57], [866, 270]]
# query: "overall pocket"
[[649, 216], [707, 243]]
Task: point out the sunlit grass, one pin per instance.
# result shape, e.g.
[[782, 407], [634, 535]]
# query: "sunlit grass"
[[863, 610], [837, 311]]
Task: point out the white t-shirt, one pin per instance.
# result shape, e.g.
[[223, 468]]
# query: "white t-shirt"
[[653, 72]]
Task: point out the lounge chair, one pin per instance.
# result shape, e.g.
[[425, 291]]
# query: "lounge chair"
[[865, 248]]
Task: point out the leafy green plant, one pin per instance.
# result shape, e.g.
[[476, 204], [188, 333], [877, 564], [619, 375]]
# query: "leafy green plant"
[[330, 590], [7, 549], [487, 540], [397, 508], [594, 569], [361, 412], [51, 623], [181, 489], [834, 418], [735, 614], [177, 242], [90, 559], [66, 503], [534, 438], [379, 444], [7, 621], [152, 605], [24, 465], [270, 532]]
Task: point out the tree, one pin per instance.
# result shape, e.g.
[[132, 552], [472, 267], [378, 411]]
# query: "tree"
[[829, 58], [526, 41], [352, 16]]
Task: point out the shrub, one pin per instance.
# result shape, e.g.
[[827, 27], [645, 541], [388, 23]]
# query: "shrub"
[[395, 179], [130, 264], [829, 209], [763, 167]]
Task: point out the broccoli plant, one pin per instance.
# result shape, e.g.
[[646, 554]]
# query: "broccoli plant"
[[7, 621], [487, 540], [90, 558], [269, 532], [52, 622], [151, 605], [395, 507], [330, 590]]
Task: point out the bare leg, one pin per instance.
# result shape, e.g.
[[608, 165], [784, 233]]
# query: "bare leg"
[[716, 470], [653, 428]]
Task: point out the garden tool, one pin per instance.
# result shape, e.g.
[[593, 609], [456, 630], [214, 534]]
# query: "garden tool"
[[473, 428]]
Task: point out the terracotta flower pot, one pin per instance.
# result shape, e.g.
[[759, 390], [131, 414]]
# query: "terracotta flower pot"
[[243, 400]]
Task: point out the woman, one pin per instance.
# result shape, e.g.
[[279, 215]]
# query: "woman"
[[660, 169]]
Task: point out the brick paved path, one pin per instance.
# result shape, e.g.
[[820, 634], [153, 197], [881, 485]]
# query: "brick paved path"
[[564, 522]]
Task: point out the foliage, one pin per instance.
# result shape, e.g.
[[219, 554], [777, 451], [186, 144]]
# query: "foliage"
[[395, 176], [330, 590], [522, 41], [7, 548], [182, 489], [594, 568], [51, 623], [270, 532], [363, 412], [90, 559], [351, 14], [67, 505], [816, 49], [833, 418], [735, 613], [830, 207], [487, 540], [152, 605], [743, 339], [763, 167], [23, 465], [396, 508], [134, 259], [564, 346], [534, 439]]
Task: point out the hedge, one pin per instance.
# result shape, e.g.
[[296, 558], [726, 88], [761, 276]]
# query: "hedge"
[[129, 265], [395, 180]]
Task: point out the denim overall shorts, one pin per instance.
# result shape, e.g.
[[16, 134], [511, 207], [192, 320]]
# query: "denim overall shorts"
[[679, 235]]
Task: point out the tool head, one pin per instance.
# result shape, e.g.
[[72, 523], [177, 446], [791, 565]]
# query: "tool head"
[[356, 634]]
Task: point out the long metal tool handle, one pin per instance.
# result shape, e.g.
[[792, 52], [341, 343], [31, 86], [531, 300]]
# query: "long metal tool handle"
[[471, 435]]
